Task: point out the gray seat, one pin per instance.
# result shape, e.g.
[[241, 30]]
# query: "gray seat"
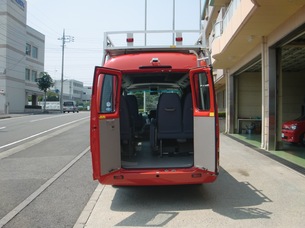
[[169, 118], [137, 119], [126, 128], [187, 117]]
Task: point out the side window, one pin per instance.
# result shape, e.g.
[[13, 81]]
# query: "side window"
[[202, 91], [108, 94], [35, 52], [27, 74], [28, 49]]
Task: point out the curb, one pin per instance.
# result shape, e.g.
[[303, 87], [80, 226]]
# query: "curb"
[[86, 213], [4, 117]]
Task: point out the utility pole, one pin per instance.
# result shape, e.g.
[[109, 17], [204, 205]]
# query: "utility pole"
[[145, 26], [174, 27], [65, 39]]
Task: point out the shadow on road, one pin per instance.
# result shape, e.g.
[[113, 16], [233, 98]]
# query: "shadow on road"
[[226, 196]]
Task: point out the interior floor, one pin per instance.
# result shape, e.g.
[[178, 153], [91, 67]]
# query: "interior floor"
[[141, 155]]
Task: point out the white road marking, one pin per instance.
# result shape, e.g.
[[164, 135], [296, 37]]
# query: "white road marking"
[[2, 128], [40, 133], [42, 188]]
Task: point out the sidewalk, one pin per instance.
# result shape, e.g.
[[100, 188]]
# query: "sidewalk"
[[94, 212], [6, 116]]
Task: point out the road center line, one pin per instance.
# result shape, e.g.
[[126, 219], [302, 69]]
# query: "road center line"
[[43, 187], [43, 132]]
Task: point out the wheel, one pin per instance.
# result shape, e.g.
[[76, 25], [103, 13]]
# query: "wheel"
[[302, 139]]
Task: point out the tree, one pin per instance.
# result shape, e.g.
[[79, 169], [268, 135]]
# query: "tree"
[[44, 82], [52, 96]]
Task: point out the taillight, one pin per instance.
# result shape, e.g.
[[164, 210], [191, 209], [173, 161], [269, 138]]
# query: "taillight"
[[179, 39], [129, 40]]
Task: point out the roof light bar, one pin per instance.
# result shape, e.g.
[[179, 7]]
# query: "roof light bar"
[[129, 40]]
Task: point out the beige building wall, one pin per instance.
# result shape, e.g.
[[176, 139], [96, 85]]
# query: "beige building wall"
[[253, 34]]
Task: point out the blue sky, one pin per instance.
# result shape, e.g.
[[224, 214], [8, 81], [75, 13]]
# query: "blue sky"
[[87, 21]]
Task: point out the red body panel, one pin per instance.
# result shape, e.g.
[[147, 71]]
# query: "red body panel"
[[293, 135], [158, 177], [132, 62], [143, 177]]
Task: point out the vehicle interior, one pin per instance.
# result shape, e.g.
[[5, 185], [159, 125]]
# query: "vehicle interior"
[[156, 120]]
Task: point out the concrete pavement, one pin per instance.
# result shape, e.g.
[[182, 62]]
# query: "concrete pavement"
[[5, 116], [251, 190]]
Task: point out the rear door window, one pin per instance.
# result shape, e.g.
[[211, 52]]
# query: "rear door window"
[[68, 103]]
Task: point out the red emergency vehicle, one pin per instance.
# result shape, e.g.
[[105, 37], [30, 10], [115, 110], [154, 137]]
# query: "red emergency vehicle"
[[153, 113]]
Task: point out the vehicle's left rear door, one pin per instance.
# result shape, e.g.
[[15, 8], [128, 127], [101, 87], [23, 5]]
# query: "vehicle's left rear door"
[[105, 124]]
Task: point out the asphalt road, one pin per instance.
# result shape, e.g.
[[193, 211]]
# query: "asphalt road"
[[45, 170]]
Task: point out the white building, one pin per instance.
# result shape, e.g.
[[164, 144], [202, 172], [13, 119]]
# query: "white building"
[[72, 89], [87, 92], [21, 57]]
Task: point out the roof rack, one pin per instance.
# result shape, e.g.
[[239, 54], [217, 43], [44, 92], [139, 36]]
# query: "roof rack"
[[126, 42]]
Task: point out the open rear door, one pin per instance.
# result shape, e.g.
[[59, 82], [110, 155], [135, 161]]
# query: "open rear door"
[[205, 120], [105, 124]]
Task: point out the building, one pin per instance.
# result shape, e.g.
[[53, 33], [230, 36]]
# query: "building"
[[72, 89], [258, 51], [21, 57], [87, 92]]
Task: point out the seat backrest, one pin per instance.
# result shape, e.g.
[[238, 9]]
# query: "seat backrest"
[[152, 114], [187, 116], [132, 105], [169, 116], [137, 119], [125, 120]]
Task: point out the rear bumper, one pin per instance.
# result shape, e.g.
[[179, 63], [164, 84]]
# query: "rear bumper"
[[151, 177], [70, 110]]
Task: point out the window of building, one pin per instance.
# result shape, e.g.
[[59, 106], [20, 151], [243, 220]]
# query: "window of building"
[[28, 49], [34, 76], [34, 52], [27, 74]]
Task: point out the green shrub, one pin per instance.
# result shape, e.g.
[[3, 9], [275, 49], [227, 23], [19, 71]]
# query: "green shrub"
[[222, 114]]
